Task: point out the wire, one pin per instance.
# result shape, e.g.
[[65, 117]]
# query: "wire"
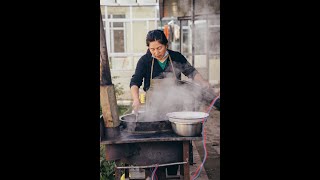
[[198, 171], [154, 172], [151, 170]]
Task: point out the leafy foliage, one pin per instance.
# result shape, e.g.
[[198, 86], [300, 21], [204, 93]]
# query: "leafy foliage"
[[118, 88], [106, 167]]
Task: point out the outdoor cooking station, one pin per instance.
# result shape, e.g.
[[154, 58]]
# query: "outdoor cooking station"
[[145, 150], [140, 149]]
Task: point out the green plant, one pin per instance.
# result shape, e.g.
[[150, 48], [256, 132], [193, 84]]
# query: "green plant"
[[118, 88], [106, 167]]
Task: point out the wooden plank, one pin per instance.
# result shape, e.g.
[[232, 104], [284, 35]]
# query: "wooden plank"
[[109, 106], [107, 93]]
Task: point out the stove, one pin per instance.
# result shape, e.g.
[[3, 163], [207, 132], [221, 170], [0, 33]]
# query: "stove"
[[141, 150]]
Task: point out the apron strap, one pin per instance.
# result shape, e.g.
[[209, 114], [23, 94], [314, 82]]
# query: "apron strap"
[[151, 70], [171, 66]]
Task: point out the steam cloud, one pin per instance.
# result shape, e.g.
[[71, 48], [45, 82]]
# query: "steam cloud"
[[170, 96]]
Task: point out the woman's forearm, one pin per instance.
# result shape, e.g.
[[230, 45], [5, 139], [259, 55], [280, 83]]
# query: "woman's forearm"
[[201, 81], [134, 92], [135, 96]]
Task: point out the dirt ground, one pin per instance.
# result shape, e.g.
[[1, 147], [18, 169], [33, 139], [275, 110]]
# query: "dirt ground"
[[212, 163]]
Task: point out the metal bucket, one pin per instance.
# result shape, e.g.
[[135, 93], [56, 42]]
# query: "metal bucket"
[[187, 123], [187, 129]]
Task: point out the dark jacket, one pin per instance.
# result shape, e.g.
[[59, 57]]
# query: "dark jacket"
[[143, 69]]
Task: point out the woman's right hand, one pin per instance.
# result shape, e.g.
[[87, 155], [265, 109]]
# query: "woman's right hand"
[[136, 105]]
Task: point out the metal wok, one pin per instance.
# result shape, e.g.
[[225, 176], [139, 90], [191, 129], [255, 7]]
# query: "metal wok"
[[144, 124]]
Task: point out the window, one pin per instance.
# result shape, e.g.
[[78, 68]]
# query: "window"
[[117, 34], [126, 27]]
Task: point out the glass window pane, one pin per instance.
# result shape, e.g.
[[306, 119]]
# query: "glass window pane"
[[186, 37], [214, 42], [186, 46], [118, 24], [119, 16], [118, 36], [199, 38]]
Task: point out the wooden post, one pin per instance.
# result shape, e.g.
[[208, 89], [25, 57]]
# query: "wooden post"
[[108, 99], [186, 168]]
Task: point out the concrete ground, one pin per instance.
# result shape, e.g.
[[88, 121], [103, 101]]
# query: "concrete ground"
[[212, 129], [197, 160]]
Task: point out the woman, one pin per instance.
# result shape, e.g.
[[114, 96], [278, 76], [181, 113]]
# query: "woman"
[[159, 62]]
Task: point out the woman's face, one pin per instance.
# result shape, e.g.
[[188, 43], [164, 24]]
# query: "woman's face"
[[157, 49]]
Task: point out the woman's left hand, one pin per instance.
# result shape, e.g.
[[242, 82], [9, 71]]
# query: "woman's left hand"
[[203, 83]]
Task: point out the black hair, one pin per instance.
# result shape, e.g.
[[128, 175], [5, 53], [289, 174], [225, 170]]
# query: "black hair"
[[156, 35]]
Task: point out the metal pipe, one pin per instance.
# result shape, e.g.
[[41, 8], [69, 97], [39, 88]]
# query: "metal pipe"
[[180, 38], [193, 30], [207, 47], [154, 165]]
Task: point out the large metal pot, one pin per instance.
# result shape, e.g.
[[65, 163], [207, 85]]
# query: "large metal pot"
[[187, 123]]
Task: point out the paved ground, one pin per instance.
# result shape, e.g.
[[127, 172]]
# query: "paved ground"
[[212, 163], [197, 160]]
